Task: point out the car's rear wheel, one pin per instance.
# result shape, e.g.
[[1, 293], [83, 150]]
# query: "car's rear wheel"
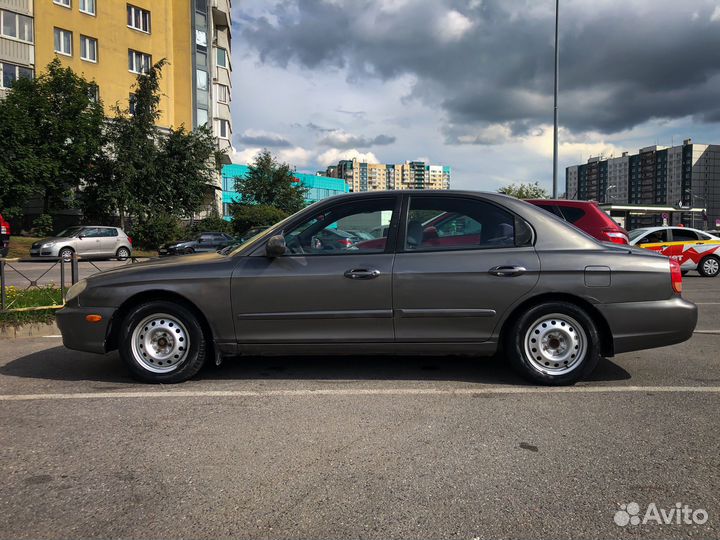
[[709, 266], [188, 251], [66, 254], [122, 254], [162, 342], [554, 343]]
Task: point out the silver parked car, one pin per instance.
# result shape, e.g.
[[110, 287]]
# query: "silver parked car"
[[91, 242], [458, 272]]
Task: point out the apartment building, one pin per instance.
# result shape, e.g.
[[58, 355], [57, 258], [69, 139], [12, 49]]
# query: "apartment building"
[[681, 182], [362, 176], [17, 42], [110, 42]]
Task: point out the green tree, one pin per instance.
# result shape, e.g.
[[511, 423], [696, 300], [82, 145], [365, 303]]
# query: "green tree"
[[271, 183], [524, 190], [51, 132], [147, 172], [245, 216]]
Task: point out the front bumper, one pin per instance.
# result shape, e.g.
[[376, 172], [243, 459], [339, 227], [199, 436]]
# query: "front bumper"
[[646, 325], [51, 251], [80, 335]]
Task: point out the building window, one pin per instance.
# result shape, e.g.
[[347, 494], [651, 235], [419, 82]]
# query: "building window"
[[138, 19], [88, 48], [139, 62], [223, 93], [63, 42], [202, 79], [224, 129], [94, 93], [14, 25], [202, 117], [222, 59], [64, 3], [11, 73], [87, 6]]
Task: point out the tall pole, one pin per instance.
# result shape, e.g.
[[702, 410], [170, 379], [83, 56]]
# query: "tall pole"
[[555, 108]]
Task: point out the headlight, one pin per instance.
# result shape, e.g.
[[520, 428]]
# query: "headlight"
[[75, 290], [47, 244]]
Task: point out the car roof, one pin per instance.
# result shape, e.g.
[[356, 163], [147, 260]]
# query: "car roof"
[[563, 202]]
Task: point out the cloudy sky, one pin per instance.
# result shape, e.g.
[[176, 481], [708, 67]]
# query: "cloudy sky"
[[468, 83]]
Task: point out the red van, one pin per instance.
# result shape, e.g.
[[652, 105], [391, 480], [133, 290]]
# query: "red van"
[[586, 216], [4, 237]]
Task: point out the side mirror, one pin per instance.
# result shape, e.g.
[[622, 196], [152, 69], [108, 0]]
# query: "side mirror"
[[81, 236], [275, 246]]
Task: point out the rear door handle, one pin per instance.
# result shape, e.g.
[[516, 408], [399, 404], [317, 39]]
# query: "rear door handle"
[[507, 271], [362, 273]]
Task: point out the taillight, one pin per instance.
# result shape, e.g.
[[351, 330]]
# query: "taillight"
[[676, 276], [345, 242], [129, 240], [3, 229], [615, 236]]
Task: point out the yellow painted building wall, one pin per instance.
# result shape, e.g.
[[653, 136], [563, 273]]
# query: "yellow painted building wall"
[[170, 38]]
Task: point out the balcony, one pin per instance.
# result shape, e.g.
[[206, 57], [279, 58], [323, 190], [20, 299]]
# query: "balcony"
[[221, 13]]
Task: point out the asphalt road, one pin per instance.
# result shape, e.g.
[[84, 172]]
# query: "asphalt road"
[[47, 272], [360, 447]]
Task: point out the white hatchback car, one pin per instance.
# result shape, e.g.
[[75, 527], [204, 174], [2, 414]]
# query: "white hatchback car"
[[89, 242]]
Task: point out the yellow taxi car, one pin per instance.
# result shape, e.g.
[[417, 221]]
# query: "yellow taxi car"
[[693, 249]]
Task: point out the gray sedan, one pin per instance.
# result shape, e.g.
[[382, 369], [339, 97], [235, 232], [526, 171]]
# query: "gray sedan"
[[457, 273]]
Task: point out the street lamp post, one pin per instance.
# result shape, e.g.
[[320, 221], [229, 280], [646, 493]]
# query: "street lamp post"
[[555, 105]]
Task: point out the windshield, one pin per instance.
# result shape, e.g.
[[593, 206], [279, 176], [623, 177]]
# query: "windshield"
[[636, 233], [69, 232]]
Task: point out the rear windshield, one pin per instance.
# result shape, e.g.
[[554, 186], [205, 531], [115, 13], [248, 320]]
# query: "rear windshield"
[[572, 213]]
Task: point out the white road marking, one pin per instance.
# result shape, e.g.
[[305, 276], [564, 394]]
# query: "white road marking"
[[706, 332], [707, 303], [365, 392], [54, 336]]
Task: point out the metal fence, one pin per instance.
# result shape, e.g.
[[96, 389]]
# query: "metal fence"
[[69, 274]]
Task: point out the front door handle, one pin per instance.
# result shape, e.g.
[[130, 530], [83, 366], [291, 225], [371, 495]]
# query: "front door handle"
[[507, 271], [362, 273]]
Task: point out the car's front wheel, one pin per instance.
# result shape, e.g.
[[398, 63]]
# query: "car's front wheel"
[[555, 343], [709, 266], [162, 342]]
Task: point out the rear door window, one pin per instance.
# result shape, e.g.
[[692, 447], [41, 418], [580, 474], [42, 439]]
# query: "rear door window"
[[684, 235], [450, 223]]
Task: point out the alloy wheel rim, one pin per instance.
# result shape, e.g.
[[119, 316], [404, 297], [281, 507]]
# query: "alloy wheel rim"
[[555, 344], [711, 266], [123, 253], [160, 343]]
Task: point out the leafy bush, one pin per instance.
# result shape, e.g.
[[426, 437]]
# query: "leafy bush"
[[43, 225], [246, 216], [154, 230]]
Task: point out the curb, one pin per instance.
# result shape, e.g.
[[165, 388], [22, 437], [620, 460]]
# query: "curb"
[[29, 330]]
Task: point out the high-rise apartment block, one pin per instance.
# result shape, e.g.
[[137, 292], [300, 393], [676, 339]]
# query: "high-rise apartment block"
[[680, 180], [362, 176], [110, 42]]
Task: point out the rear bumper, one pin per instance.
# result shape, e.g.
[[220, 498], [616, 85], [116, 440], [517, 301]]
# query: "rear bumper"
[[80, 335], [646, 325]]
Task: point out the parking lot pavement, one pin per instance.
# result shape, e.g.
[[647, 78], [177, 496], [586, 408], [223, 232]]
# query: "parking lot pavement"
[[360, 447]]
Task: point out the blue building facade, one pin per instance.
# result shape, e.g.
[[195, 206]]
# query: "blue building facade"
[[319, 187]]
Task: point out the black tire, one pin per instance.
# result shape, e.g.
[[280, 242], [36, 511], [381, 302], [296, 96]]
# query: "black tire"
[[541, 369], [122, 254], [66, 253], [194, 355], [709, 266], [189, 251]]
